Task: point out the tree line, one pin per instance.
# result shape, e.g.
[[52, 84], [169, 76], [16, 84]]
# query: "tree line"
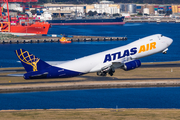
[[115, 1]]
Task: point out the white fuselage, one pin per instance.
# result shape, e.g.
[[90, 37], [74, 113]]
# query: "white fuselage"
[[135, 50]]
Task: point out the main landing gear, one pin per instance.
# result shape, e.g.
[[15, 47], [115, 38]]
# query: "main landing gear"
[[104, 73]]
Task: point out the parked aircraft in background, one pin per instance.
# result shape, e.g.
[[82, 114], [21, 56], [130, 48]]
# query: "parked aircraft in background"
[[125, 57]]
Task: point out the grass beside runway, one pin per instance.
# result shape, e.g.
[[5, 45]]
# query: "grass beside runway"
[[92, 114], [139, 77]]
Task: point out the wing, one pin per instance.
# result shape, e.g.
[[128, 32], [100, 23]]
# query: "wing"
[[125, 65], [56, 62]]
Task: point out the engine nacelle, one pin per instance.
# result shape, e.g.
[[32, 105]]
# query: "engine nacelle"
[[131, 65]]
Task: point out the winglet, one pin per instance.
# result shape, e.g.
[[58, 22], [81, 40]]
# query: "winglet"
[[30, 61]]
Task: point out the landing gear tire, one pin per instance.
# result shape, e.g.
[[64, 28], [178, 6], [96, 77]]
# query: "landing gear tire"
[[101, 73], [111, 72], [164, 52]]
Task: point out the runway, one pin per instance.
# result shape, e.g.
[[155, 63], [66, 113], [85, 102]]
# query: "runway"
[[154, 65], [148, 75]]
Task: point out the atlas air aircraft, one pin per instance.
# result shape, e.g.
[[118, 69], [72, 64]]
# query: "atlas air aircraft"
[[125, 57]]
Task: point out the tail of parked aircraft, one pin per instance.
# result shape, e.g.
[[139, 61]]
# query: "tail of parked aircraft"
[[30, 61]]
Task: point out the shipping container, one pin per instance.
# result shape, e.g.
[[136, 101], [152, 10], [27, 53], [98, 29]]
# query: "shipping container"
[[174, 8], [160, 9], [161, 5], [36, 6], [146, 11], [168, 7], [21, 1], [138, 7]]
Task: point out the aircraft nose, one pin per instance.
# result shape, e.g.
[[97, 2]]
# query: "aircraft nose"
[[169, 41]]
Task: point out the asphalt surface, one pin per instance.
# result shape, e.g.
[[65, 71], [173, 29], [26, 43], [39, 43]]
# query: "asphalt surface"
[[90, 78]]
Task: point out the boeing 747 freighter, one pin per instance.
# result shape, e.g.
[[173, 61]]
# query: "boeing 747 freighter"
[[125, 57]]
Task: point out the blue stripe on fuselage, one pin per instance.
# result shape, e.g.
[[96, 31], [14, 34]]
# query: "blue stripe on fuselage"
[[118, 55], [52, 72]]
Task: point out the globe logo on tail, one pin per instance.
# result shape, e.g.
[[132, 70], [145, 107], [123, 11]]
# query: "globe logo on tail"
[[27, 58]]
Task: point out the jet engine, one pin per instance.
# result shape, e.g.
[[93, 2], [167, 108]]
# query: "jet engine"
[[131, 65]]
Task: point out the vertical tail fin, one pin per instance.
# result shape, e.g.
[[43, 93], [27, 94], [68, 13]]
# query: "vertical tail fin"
[[30, 61]]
